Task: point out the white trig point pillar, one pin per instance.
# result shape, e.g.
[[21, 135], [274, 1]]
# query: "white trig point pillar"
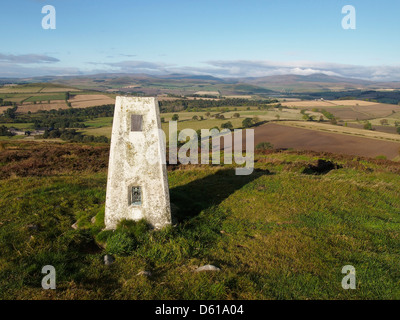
[[137, 185]]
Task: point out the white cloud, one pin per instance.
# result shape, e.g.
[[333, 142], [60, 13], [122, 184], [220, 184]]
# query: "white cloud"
[[27, 58], [37, 65], [250, 68]]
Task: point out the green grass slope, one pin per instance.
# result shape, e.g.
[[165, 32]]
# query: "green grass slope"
[[277, 234]]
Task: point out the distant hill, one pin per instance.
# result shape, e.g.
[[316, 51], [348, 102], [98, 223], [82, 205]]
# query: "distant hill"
[[184, 84], [317, 82]]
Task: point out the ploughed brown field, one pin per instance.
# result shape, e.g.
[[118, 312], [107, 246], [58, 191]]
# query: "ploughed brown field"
[[304, 139]]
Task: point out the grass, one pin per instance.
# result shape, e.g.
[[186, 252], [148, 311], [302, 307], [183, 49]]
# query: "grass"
[[46, 97], [276, 234], [98, 127], [99, 122], [97, 132], [6, 138], [19, 125]]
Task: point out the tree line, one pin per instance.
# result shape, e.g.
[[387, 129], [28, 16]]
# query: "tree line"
[[62, 118], [192, 105], [4, 131], [72, 135], [5, 103]]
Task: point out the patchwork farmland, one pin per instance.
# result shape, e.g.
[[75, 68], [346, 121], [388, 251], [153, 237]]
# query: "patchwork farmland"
[[45, 97]]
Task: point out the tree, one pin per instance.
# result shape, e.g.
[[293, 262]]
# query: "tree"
[[398, 130], [4, 131], [263, 146], [208, 114], [384, 122], [368, 126], [175, 117], [247, 123], [10, 113], [227, 125], [195, 118], [236, 115]]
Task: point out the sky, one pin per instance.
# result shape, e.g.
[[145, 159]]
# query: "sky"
[[223, 38]]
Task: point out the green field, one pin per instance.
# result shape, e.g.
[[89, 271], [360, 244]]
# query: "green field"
[[276, 234], [35, 92], [99, 122], [46, 97], [103, 126], [19, 125]]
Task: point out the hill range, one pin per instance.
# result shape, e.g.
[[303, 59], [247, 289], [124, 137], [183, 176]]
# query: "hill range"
[[190, 84]]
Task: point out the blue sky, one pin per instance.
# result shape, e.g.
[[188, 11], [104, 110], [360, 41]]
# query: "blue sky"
[[219, 37]]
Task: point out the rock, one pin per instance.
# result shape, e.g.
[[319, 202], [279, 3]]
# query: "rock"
[[93, 220], [75, 226], [144, 273], [33, 227], [207, 267], [108, 259]]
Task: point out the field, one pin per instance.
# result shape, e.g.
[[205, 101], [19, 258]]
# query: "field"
[[47, 96], [308, 104], [379, 128], [326, 127], [53, 105], [36, 88], [288, 136], [280, 233], [84, 101], [103, 126], [348, 109]]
